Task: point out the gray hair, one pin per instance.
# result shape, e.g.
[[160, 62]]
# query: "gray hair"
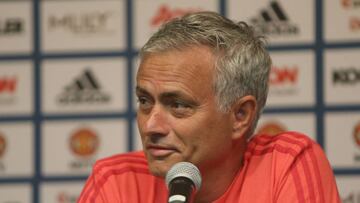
[[242, 66]]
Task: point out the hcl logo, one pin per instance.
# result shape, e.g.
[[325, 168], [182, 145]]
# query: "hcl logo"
[[348, 76], [8, 85], [284, 75]]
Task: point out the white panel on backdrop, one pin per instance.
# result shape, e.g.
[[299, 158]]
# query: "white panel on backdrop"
[[72, 147], [16, 27], [299, 122], [83, 25], [149, 15], [342, 76], [342, 139], [349, 188], [341, 20], [15, 193], [60, 192], [16, 88], [84, 85], [282, 21], [16, 149], [292, 79]]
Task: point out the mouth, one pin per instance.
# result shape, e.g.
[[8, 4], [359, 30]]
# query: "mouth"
[[160, 152]]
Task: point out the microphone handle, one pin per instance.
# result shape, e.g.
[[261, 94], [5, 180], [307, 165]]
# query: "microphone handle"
[[181, 190]]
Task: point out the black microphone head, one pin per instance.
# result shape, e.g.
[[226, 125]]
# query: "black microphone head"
[[184, 169]]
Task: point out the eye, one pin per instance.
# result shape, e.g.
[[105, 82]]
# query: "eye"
[[144, 103], [142, 100], [179, 105], [181, 109]]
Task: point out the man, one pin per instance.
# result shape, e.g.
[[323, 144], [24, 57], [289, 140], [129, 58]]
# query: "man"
[[201, 86]]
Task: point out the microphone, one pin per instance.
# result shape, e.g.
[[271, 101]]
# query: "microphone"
[[183, 181]]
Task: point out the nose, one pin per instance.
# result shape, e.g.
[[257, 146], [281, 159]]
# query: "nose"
[[156, 123]]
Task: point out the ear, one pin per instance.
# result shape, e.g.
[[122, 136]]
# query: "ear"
[[244, 111]]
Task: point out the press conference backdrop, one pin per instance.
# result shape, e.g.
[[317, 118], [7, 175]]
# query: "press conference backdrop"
[[67, 74]]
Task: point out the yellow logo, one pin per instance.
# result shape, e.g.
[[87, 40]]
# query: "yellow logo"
[[84, 142]]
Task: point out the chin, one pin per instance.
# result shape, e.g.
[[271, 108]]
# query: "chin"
[[158, 169]]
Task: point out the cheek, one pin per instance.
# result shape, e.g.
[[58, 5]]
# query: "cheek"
[[211, 136], [189, 134], [140, 125], [138, 122], [201, 136]]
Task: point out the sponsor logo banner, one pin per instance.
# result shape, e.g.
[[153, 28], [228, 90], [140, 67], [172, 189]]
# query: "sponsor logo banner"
[[12, 26], [61, 192], [84, 144], [84, 89], [16, 88], [342, 20], [83, 26], [343, 151], [15, 193], [349, 188], [72, 147], [84, 86], [150, 15], [16, 149], [280, 21], [292, 79], [273, 20], [16, 27], [342, 76], [273, 124]]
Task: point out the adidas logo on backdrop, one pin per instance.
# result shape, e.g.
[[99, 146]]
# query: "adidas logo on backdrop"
[[84, 89], [274, 21]]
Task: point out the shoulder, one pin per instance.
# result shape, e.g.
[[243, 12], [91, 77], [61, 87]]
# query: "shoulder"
[[134, 162], [127, 174], [286, 151], [287, 143], [292, 165]]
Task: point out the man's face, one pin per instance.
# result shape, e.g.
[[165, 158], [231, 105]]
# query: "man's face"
[[178, 118]]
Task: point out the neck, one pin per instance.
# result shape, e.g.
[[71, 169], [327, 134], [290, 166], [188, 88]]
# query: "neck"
[[216, 181]]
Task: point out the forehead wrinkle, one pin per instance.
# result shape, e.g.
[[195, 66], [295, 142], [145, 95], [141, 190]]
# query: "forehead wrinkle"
[[171, 72], [189, 61], [172, 88], [183, 69]]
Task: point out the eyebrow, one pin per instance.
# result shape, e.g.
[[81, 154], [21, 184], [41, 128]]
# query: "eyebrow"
[[174, 94], [141, 90], [167, 95]]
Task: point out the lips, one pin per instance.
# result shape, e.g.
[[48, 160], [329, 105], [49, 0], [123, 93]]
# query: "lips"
[[158, 151]]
